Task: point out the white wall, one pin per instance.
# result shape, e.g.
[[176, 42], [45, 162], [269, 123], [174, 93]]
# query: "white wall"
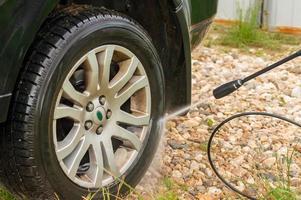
[[227, 9], [281, 13], [277, 13]]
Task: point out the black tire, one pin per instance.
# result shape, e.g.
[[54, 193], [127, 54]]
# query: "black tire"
[[29, 165]]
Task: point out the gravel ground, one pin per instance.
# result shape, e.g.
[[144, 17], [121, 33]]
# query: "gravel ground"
[[251, 152]]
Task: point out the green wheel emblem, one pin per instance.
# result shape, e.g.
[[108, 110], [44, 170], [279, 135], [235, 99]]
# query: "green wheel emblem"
[[99, 115]]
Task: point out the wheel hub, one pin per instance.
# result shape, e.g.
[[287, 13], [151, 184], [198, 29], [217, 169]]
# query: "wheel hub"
[[97, 114]]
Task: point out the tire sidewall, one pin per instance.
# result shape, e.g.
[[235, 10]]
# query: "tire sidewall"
[[85, 38]]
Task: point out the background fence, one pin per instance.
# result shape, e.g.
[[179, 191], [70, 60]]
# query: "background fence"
[[281, 15]]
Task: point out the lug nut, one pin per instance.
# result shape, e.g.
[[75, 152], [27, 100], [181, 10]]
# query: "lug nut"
[[99, 130], [90, 107], [109, 114], [102, 100], [88, 125]]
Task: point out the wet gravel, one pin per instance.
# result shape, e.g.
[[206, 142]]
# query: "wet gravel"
[[251, 152]]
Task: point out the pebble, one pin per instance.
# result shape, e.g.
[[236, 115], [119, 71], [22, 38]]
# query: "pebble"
[[241, 186], [176, 144], [250, 180], [191, 123], [176, 174], [198, 157], [296, 92], [194, 165], [269, 162], [282, 151], [295, 170], [295, 69], [214, 191], [208, 172]]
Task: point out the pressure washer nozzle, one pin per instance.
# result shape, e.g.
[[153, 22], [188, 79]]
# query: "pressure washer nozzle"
[[227, 88]]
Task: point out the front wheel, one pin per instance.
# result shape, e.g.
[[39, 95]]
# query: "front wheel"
[[87, 109]]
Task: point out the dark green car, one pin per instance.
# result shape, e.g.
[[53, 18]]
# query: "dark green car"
[[84, 85]]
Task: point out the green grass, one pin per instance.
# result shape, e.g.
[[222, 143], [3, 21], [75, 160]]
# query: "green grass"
[[246, 33], [244, 36], [169, 192], [204, 146], [4, 195], [281, 193], [210, 122], [168, 183], [282, 189], [170, 195]]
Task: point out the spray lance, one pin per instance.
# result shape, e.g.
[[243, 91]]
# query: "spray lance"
[[232, 86], [229, 88]]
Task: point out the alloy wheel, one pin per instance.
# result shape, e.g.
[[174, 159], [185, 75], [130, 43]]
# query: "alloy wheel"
[[101, 117]]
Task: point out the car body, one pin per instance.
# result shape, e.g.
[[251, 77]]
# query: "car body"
[[175, 26]]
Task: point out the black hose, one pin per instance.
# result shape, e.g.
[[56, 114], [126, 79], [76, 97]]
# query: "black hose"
[[217, 129]]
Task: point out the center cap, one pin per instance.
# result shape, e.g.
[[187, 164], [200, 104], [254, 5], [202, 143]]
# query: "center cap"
[[99, 115]]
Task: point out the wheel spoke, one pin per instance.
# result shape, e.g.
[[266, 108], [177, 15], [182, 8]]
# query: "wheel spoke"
[[99, 164], [136, 84], [126, 71], [73, 95], [92, 72], [131, 119], [124, 134], [63, 111], [75, 158], [109, 159], [70, 142], [105, 59]]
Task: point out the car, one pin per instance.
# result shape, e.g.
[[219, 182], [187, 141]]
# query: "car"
[[84, 86]]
